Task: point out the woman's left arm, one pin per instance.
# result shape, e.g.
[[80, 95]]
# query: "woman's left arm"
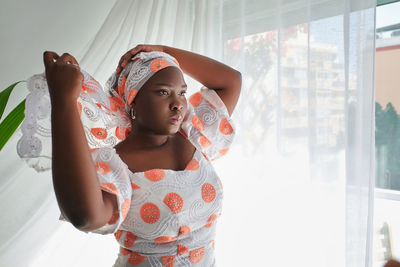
[[225, 80]]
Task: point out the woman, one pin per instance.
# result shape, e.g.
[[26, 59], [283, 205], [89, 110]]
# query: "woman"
[[156, 189]]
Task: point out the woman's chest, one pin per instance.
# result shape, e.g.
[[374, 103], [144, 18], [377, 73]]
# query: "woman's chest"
[[174, 156], [167, 203]]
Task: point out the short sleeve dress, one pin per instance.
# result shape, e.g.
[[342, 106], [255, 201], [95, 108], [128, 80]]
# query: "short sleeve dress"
[[168, 217]]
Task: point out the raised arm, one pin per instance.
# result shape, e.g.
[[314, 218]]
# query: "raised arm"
[[225, 80], [75, 180]]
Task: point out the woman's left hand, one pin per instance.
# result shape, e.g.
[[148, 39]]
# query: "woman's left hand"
[[132, 52]]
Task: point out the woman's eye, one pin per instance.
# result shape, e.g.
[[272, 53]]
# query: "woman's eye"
[[183, 93], [163, 92]]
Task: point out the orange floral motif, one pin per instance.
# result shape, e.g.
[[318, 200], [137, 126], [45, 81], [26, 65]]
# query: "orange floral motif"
[[164, 239], [150, 213], [100, 133], [223, 151], [182, 249], [88, 89], [132, 94], [159, 64], [155, 175], [168, 260], [134, 186], [121, 133], [130, 239], [114, 218], [118, 134], [118, 234], [208, 192], [197, 123], [103, 107], [174, 201], [125, 207], [125, 251], [196, 99], [79, 106], [109, 187], [92, 85], [225, 127], [204, 142], [212, 218], [192, 165], [135, 258], [102, 167], [115, 102], [121, 89], [118, 101], [113, 106], [196, 255], [183, 230]]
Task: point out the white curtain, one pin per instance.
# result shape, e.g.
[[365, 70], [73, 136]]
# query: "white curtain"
[[303, 194], [299, 180]]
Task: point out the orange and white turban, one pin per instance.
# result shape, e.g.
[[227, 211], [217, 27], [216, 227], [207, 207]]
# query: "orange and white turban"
[[136, 73]]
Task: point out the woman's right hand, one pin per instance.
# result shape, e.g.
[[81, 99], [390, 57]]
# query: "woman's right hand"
[[63, 75], [137, 49]]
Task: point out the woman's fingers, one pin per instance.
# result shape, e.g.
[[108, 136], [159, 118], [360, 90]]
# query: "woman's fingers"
[[131, 53], [67, 58], [124, 59], [49, 57], [138, 49]]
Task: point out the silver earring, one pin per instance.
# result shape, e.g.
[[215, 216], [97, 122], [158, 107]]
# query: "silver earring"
[[133, 114]]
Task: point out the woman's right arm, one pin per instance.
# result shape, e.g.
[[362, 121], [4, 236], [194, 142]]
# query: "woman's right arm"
[[75, 179]]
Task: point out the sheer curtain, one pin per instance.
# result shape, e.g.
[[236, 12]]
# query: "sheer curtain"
[[304, 191], [299, 180]]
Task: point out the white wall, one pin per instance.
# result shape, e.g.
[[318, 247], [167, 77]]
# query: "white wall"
[[28, 28]]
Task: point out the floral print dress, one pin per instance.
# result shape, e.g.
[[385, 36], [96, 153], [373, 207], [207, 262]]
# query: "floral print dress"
[[168, 217]]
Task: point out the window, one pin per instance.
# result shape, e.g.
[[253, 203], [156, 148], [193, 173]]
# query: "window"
[[387, 134]]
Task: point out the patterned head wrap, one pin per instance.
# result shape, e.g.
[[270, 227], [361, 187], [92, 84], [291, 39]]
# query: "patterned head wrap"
[[136, 73], [104, 113]]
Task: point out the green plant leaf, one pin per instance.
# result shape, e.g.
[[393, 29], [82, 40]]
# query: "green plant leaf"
[[4, 95], [11, 123]]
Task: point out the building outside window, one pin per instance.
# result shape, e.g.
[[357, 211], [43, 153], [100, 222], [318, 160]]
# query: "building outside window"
[[387, 134]]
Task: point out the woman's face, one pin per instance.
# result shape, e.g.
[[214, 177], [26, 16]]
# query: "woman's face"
[[161, 104]]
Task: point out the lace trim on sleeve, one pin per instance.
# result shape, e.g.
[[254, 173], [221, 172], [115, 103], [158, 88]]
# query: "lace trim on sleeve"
[[103, 116]]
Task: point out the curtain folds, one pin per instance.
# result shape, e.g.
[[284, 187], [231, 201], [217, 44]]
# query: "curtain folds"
[[299, 180]]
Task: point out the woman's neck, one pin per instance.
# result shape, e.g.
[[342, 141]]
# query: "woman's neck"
[[139, 140]]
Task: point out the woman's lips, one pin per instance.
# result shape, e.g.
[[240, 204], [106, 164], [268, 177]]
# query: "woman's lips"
[[175, 119]]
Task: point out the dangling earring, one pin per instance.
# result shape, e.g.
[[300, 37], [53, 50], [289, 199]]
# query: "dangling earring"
[[133, 114]]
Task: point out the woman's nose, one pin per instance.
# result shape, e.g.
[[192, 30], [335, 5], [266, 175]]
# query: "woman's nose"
[[176, 104]]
